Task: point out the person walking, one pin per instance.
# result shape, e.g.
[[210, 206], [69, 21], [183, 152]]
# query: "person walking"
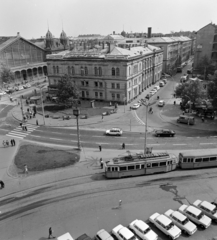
[[26, 171], [202, 118], [120, 203], [100, 148], [26, 128], [101, 163], [50, 233], [102, 117], [2, 184], [12, 143], [123, 145]]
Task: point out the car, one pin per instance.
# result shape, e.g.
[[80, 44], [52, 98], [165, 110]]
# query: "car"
[[2, 93], [164, 133], [83, 237], [165, 75], [157, 87], [142, 230], [154, 91], [123, 233], [164, 80], [161, 103], [208, 208], [114, 132], [20, 88], [28, 85], [181, 221], [179, 69], [135, 106], [9, 90], [161, 84], [148, 96], [166, 225], [195, 215], [103, 235], [24, 86]]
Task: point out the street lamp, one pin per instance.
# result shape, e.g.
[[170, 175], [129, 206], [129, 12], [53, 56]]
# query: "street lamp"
[[146, 104], [124, 99], [76, 112]]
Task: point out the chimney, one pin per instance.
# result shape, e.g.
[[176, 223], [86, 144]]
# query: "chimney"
[[18, 34], [113, 32], [149, 32]]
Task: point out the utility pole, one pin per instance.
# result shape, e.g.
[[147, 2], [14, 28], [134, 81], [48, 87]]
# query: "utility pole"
[[21, 103], [76, 112]]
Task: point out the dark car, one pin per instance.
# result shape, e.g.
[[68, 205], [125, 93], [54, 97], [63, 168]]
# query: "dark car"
[[147, 96], [10, 90], [164, 133], [84, 237]]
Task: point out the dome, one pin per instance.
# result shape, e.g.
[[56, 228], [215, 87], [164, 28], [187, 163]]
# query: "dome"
[[123, 33], [63, 34], [49, 34]]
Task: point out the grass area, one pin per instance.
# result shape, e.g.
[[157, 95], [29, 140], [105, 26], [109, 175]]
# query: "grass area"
[[40, 158]]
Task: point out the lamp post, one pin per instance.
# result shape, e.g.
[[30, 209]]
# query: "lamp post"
[[146, 104], [124, 98], [42, 104], [76, 112]]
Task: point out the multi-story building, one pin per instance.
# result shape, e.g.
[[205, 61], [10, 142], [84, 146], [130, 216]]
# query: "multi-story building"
[[22, 57], [109, 74], [206, 44]]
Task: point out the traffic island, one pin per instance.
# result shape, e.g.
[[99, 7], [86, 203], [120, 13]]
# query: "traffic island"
[[39, 158]]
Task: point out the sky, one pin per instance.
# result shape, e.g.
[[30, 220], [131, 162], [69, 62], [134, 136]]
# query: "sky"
[[32, 18]]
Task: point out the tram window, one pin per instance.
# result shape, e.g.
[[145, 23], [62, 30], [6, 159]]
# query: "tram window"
[[205, 159], [184, 160], [198, 160], [213, 159], [137, 166], [163, 164], [148, 165], [142, 166], [108, 169], [190, 159], [154, 164], [123, 168], [132, 167], [116, 169]]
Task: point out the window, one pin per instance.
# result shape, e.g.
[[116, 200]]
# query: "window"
[[100, 71], [117, 72], [154, 164], [86, 71], [148, 165], [118, 85], [108, 169], [123, 168], [69, 70], [95, 71], [142, 166], [205, 159], [184, 160], [198, 160], [82, 83], [57, 69], [113, 85], [87, 93], [101, 94], [132, 167], [82, 71], [113, 71], [113, 96], [87, 83], [83, 94], [137, 166], [96, 84], [54, 69], [129, 71], [213, 159], [118, 96], [73, 70], [100, 84], [163, 164]]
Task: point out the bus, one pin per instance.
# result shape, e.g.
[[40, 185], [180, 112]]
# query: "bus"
[[140, 164], [198, 159]]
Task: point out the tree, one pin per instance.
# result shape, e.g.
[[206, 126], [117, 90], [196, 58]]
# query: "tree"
[[190, 90], [212, 91], [205, 67], [6, 75], [67, 89]]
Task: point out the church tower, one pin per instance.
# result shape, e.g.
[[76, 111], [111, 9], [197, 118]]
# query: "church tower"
[[49, 40], [64, 39]]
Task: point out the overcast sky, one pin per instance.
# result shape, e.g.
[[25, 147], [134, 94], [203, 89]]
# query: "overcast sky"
[[32, 17]]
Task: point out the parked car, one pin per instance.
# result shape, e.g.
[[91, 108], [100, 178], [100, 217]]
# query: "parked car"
[[164, 80], [161, 103], [166, 75], [20, 88], [123, 233], [186, 119], [9, 90], [103, 235], [181, 221], [24, 86], [28, 85], [148, 96], [84, 237], [196, 215], [157, 88], [142, 230], [179, 69], [165, 225], [161, 84], [114, 132], [135, 106], [2, 93], [164, 133], [208, 208], [152, 92]]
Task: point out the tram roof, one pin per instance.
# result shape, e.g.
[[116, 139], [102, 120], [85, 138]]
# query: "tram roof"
[[200, 153], [138, 158]]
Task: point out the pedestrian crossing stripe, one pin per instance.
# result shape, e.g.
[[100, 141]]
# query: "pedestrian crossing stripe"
[[18, 132]]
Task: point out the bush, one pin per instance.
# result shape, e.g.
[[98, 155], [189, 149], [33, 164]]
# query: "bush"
[[54, 107]]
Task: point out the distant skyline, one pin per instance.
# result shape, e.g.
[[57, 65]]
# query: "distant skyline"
[[33, 17]]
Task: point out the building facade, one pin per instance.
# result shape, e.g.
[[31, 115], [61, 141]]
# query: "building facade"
[[23, 58], [109, 74], [206, 44]]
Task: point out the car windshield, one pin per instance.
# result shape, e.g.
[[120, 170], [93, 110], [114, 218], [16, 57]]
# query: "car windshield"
[[147, 230], [200, 216], [168, 227], [185, 221], [214, 211], [132, 238]]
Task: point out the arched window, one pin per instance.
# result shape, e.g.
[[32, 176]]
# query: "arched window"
[[86, 71], [73, 70], [57, 68], [69, 70], [82, 71], [100, 71], [129, 71], [117, 72], [96, 71], [113, 71], [54, 69]]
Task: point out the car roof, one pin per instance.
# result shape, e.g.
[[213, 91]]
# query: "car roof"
[[194, 210], [115, 128], [84, 237], [126, 232], [104, 234], [179, 215], [208, 205], [164, 220], [142, 225]]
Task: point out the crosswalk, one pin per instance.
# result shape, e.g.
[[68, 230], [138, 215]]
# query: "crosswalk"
[[19, 133]]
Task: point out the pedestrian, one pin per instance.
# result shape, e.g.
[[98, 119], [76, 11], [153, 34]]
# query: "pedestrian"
[[120, 202], [101, 163], [36, 121], [100, 148], [12, 143], [26, 128], [123, 145], [2, 184], [26, 171], [7, 143], [202, 118], [102, 117], [174, 102], [50, 233], [21, 124]]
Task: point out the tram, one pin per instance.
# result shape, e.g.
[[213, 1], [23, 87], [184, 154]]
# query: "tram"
[[203, 158], [140, 164]]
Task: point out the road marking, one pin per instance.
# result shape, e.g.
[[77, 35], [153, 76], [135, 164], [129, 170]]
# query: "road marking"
[[179, 144], [56, 139], [137, 118], [156, 144], [97, 136], [14, 136], [58, 133], [72, 134], [120, 137], [206, 143], [36, 136]]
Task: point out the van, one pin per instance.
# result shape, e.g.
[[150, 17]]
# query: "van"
[[186, 119]]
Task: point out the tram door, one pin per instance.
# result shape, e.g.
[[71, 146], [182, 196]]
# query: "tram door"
[[169, 165]]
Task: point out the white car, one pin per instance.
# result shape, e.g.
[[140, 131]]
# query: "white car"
[[153, 91], [103, 235], [165, 225], [142, 230], [208, 208], [181, 221], [135, 106], [195, 215], [2, 93], [123, 233], [157, 88], [114, 132], [161, 103], [20, 88]]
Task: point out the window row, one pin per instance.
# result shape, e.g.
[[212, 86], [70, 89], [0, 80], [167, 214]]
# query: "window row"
[[115, 85], [205, 159]]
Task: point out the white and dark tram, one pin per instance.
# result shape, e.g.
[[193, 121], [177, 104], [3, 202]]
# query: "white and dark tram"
[[140, 164]]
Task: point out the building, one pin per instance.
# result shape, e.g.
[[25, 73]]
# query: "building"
[[108, 73], [23, 58], [206, 44]]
